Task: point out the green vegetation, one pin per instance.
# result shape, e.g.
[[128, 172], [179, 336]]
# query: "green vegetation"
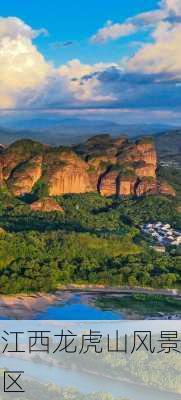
[[35, 389], [145, 140], [168, 147], [141, 304], [158, 370], [96, 240], [39, 190], [25, 146], [172, 176]]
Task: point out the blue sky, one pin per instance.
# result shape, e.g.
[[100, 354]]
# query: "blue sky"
[[77, 21], [94, 56]]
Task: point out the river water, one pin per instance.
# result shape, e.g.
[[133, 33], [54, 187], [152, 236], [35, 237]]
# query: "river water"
[[84, 382], [77, 307]]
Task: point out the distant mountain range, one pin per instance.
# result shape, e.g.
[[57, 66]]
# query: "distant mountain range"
[[68, 131], [57, 131], [168, 145]]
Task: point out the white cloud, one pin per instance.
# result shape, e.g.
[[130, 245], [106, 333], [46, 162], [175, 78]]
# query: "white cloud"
[[146, 20], [88, 89], [113, 31], [27, 80], [162, 56], [22, 66], [149, 18], [172, 6], [13, 28]]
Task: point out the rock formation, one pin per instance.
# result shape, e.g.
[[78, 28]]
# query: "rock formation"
[[152, 186], [112, 166], [65, 172], [46, 205], [17, 153], [108, 185], [24, 176], [127, 185], [146, 186]]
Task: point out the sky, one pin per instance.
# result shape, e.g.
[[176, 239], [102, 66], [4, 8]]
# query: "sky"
[[99, 59]]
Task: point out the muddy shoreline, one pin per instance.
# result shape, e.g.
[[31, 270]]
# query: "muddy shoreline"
[[26, 306]]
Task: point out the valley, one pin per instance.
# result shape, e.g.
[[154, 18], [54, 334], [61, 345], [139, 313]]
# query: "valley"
[[74, 215]]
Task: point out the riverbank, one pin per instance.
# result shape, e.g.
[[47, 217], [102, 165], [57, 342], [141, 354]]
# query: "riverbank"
[[119, 290], [26, 306]]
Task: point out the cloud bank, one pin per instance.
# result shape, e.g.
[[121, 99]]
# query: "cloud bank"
[[168, 9], [150, 79], [22, 66]]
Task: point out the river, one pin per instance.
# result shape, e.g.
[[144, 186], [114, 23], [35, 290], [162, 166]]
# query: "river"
[[77, 307], [84, 382], [74, 305]]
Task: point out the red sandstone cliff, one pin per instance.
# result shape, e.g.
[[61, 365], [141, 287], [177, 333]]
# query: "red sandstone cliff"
[[111, 166], [152, 186], [65, 172], [24, 176]]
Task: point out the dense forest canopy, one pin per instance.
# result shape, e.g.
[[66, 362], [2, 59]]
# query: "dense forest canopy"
[[95, 240]]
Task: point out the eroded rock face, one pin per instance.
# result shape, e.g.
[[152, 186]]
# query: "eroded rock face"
[[153, 186], [114, 183], [68, 179], [127, 186], [146, 152], [24, 176], [66, 174], [139, 161], [105, 164], [137, 153], [46, 205], [146, 186], [142, 169], [98, 165], [108, 185], [1, 172], [18, 153]]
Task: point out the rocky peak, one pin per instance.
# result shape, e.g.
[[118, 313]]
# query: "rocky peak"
[[65, 172], [25, 175], [113, 166], [17, 153]]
